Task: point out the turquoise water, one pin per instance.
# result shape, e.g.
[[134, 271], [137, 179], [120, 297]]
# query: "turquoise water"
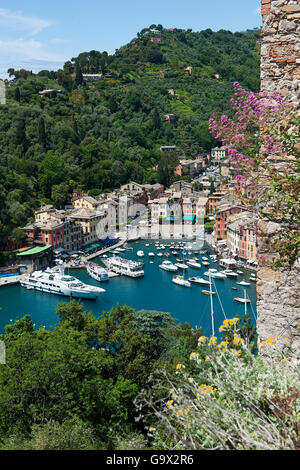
[[154, 291]]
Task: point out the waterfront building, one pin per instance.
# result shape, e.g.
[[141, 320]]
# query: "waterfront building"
[[222, 217], [241, 235], [35, 258], [92, 223]]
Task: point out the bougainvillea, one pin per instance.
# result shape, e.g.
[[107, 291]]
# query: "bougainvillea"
[[262, 136]]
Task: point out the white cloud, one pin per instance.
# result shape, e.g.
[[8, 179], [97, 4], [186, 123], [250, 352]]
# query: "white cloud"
[[27, 49], [18, 21]]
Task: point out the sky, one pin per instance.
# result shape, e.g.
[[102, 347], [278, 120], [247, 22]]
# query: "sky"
[[38, 35]]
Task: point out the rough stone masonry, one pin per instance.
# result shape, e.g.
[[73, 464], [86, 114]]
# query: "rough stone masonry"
[[278, 292]]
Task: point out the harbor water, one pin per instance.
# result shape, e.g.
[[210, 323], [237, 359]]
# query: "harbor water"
[[154, 291]]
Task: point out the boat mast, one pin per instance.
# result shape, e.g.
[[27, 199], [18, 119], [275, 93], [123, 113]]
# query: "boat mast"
[[211, 307], [245, 296]]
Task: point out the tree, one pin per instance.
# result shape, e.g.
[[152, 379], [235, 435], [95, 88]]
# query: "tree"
[[17, 94], [59, 194], [42, 132], [78, 78]]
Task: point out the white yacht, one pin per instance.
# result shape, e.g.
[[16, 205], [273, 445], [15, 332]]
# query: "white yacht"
[[151, 255], [243, 283], [193, 264], [53, 282], [140, 253], [97, 272], [124, 266], [168, 266], [181, 265], [181, 281], [205, 263], [199, 280], [229, 273], [215, 274]]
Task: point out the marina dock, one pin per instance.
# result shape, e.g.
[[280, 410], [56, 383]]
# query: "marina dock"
[[9, 281]]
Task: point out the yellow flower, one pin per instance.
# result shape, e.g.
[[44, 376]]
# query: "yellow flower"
[[203, 388], [194, 356], [238, 353], [202, 339], [237, 340], [207, 358], [213, 340], [151, 429], [223, 344], [169, 403], [180, 366], [179, 412], [229, 322], [221, 328], [271, 340]]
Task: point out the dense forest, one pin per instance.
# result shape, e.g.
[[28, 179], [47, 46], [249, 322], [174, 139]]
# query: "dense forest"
[[77, 386], [96, 135], [137, 380]]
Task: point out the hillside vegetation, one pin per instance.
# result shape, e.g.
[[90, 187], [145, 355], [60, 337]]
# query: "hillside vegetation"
[[98, 135]]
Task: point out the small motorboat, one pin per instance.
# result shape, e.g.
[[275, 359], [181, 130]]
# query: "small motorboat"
[[242, 300], [199, 280], [181, 265], [181, 281], [243, 283], [207, 292], [151, 255], [140, 253], [229, 273], [193, 264]]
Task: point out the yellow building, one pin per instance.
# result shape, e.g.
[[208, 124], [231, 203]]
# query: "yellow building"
[[92, 223], [85, 202]]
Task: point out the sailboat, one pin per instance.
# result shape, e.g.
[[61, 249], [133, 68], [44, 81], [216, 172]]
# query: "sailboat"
[[209, 292], [180, 280], [243, 300]]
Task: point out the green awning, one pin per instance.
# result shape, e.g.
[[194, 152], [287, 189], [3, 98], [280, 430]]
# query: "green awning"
[[34, 251]]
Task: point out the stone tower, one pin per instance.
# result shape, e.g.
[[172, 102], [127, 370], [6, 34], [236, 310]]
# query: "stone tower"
[[278, 292]]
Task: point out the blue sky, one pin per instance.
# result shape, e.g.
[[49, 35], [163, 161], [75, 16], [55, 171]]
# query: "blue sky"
[[36, 34]]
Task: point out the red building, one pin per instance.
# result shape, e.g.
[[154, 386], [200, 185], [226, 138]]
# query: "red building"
[[213, 199], [222, 219]]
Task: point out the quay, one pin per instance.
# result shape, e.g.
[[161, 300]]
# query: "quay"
[[9, 281]]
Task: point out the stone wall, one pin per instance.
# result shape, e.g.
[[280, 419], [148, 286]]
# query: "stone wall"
[[278, 292], [280, 51]]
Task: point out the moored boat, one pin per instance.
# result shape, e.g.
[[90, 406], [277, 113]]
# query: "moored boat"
[[97, 272], [168, 266], [124, 266], [179, 280], [207, 292], [193, 264], [53, 282], [242, 300], [199, 280]]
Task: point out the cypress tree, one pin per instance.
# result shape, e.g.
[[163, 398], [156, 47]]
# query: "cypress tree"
[[79, 77]]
